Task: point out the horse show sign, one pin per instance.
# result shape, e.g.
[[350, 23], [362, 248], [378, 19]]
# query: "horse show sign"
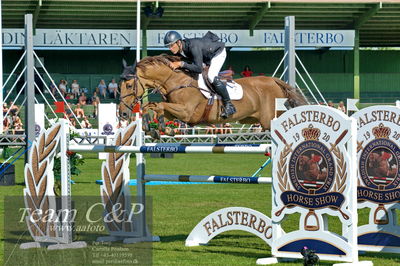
[[378, 157], [314, 175]]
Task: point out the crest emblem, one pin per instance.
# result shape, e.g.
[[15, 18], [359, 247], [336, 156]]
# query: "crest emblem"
[[38, 128], [312, 173], [107, 129]]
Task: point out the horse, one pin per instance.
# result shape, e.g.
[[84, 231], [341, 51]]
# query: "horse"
[[309, 168], [380, 165], [183, 99]]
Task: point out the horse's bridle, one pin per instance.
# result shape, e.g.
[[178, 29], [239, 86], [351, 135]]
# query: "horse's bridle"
[[156, 89], [134, 93]]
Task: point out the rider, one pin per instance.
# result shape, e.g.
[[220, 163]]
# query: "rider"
[[208, 50]]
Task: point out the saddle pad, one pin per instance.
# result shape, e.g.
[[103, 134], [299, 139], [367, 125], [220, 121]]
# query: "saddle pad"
[[235, 91]]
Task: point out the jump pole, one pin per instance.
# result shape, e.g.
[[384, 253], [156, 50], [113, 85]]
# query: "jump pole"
[[163, 148], [214, 179]]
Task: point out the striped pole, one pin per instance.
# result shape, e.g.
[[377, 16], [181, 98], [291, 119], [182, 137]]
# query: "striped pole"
[[215, 179], [179, 148]]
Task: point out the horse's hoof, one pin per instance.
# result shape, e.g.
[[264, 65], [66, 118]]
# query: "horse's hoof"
[[146, 122], [169, 131], [155, 134]]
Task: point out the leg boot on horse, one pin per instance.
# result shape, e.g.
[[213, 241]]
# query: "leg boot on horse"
[[228, 108]]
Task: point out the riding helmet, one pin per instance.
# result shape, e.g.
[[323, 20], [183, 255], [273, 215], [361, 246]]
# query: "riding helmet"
[[171, 37]]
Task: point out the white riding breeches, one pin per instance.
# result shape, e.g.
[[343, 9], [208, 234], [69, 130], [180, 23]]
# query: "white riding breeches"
[[215, 67]]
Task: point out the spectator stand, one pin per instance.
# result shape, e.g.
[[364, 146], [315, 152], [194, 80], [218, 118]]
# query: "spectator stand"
[[28, 86]]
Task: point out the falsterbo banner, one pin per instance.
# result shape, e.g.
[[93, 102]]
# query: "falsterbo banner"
[[127, 38]]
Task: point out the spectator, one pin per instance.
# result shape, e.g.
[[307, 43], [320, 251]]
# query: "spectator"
[[79, 112], [82, 99], [95, 102], [256, 128], [75, 88], [85, 123], [72, 122], [69, 96], [63, 87], [246, 72], [68, 114], [227, 74], [14, 109], [113, 89], [210, 129], [17, 126], [13, 118], [101, 88], [228, 128], [218, 129], [341, 107], [5, 109], [6, 124], [52, 89], [330, 104]]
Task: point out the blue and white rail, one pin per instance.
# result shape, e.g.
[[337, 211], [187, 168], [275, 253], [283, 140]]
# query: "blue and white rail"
[[175, 148], [214, 179]]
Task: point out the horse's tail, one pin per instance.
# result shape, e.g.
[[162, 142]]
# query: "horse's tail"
[[295, 98]]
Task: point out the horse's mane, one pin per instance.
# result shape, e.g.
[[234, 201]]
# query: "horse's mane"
[[164, 59], [156, 60]]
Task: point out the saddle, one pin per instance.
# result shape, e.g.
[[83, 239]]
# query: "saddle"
[[223, 77]]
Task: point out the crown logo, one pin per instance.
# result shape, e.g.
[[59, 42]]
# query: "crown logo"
[[311, 133], [381, 132]]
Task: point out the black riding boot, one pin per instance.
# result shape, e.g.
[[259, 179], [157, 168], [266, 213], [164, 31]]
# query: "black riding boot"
[[229, 109]]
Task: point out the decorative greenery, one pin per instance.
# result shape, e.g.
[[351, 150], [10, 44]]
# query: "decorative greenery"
[[154, 124], [172, 124], [75, 160]]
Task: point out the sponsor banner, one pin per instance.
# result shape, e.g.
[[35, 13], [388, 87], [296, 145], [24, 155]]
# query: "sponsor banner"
[[127, 38]]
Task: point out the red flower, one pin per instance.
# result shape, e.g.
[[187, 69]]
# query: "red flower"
[[176, 124], [70, 153], [155, 120]]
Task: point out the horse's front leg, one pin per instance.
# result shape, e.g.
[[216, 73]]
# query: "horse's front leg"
[[146, 116], [176, 110]]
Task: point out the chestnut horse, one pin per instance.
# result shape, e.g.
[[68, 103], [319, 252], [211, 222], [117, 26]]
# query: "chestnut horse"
[[184, 101]]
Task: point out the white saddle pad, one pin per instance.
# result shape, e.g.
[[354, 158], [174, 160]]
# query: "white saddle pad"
[[235, 91]]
